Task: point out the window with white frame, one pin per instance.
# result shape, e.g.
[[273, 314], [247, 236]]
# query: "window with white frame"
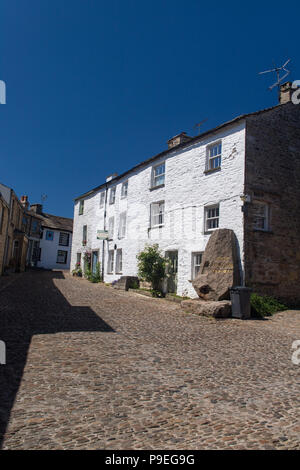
[[64, 239], [212, 215], [62, 257], [119, 265], [124, 190], [110, 262], [102, 199], [158, 175], [122, 225], [196, 263], [157, 214], [111, 226], [81, 207], [112, 195], [260, 215], [214, 154], [78, 259]]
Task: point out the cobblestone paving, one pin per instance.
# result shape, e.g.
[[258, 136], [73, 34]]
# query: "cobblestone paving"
[[112, 370]]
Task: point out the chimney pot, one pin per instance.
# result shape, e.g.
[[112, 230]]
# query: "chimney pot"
[[285, 94], [24, 202]]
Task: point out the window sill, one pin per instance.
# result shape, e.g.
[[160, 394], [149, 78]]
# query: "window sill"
[[156, 226], [213, 170], [156, 187], [261, 230], [208, 232]]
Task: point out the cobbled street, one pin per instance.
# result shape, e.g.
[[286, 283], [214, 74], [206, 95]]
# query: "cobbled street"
[[90, 367]]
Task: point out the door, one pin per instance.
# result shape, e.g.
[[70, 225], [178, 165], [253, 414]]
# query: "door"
[[172, 270], [95, 257]]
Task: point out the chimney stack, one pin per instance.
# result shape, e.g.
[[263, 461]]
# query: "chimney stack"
[[178, 139], [111, 177], [286, 91], [24, 202], [37, 208]]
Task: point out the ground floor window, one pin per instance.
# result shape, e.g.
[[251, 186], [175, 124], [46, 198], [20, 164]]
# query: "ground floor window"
[[261, 215], [62, 257], [119, 262], [78, 259], [110, 263], [196, 262]]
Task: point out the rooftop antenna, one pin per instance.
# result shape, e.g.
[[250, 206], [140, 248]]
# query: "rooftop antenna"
[[277, 71], [44, 197], [198, 125]]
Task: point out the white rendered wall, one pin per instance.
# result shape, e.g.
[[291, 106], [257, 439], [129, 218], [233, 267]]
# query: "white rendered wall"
[[49, 250], [186, 192]]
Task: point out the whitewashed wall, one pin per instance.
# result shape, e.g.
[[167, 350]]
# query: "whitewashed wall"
[[49, 250], [186, 192]]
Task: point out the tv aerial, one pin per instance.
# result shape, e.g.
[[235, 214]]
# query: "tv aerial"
[[44, 197], [277, 71], [198, 125]]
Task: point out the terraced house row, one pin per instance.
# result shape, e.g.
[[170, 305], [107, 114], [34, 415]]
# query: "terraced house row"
[[243, 175], [31, 238]]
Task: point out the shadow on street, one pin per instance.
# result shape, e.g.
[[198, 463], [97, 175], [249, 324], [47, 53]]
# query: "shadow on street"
[[33, 305]]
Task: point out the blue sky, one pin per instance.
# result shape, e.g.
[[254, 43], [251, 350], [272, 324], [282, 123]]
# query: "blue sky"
[[95, 87]]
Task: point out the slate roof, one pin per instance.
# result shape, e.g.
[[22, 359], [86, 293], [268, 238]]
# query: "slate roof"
[[53, 221], [177, 147]]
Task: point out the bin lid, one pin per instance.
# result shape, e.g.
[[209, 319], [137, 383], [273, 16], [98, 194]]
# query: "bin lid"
[[240, 288]]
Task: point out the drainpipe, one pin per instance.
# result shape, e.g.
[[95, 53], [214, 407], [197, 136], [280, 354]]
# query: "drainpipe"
[[104, 228]]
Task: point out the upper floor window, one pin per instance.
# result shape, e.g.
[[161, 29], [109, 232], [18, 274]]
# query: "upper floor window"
[[212, 215], [122, 225], [102, 199], [214, 153], [35, 226], [261, 215], [111, 225], [196, 263], [112, 196], [158, 175], [49, 235], [64, 239], [157, 214], [81, 207], [84, 234], [124, 189]]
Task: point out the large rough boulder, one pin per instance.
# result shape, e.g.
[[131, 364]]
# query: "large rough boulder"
[[219, 270], [220, 309]]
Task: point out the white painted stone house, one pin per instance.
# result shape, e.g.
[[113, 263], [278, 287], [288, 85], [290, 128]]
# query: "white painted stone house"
[[176, 199], [55, 242]]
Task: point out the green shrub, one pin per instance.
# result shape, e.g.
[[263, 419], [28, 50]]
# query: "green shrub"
[[152, 267], [263, 306]]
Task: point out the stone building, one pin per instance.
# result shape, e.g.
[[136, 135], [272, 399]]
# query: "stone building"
[[4, 215], [16, 242], [50, 237], [242, 175]]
